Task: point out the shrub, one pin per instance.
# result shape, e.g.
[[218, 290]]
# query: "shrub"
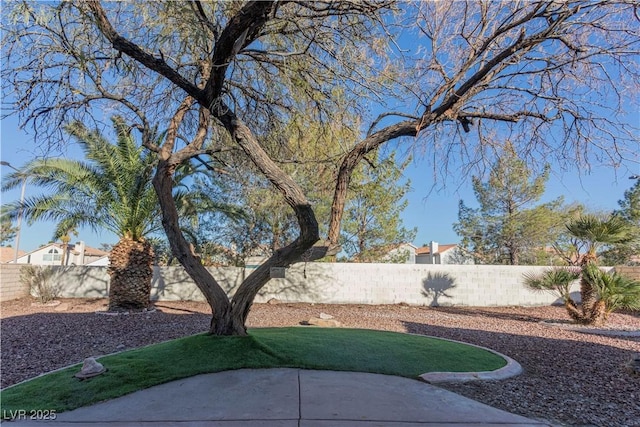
[[618, 292], [37, 278]]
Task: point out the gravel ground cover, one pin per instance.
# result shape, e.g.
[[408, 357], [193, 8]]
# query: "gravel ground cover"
[[570, 377]]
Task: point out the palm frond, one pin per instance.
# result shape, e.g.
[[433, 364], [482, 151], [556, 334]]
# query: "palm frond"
[[618, 292], [557, 281], [597, 230]]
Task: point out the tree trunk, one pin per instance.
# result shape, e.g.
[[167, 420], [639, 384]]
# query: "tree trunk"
[[589, 299], [357, 153], [599, 313], [221, 321], [573, 311], [513, 255], [588, 292], [131, 271]]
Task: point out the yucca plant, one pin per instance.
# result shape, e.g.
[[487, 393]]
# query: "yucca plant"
[[111, 190]]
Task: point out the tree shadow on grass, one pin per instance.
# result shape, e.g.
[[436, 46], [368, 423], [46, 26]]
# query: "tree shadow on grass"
[[560, 376]]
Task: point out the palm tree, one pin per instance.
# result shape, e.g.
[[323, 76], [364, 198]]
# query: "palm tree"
[[111, 190], [595, 232], [65, 239], [600, 292], [558, 281]]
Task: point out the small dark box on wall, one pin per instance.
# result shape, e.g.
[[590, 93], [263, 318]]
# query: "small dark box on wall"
[[277, 272]]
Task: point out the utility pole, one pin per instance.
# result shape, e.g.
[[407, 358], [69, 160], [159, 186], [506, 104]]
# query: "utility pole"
[[19, 224]]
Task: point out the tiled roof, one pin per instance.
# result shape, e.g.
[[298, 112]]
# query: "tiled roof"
[[426, 250], [89, 251], [8, 254]]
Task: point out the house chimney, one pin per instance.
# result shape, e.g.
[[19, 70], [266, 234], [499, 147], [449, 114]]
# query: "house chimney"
[[433, 250], [80, 249]]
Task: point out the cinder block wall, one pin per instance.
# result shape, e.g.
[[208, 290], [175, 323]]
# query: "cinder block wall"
[[10, 285], [632, 272], [416, 284]]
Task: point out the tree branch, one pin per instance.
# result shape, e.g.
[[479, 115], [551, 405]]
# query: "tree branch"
[[129, 48]]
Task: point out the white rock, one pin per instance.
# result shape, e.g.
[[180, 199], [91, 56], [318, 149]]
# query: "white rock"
[[90, 368]]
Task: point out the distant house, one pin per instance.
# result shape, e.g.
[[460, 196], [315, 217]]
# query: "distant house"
[[77, 254], [403, 253], [436, 253]]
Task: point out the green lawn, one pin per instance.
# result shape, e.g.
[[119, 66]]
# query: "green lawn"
[[296, 347]]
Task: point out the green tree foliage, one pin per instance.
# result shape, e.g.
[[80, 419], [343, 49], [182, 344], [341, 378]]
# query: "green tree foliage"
[[509, 227], [111, 189], [7, 233], [372, 225], [372, 217], [307, 151], [627, 253]]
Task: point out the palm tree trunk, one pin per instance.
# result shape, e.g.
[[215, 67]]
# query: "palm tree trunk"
[[588, 292], [599, 314], [573, 311], [131, 271], [589, 299]]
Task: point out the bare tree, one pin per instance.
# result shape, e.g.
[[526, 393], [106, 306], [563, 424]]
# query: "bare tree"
[[556, 77]]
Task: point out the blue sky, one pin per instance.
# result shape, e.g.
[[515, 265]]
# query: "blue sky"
[[432, 211]]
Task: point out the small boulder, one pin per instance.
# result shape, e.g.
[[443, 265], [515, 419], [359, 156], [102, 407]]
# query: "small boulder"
[[62, 307], [90, 368], [324, 323], [633, 365]]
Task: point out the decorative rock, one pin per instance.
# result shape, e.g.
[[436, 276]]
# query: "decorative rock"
[[46, 304], [90, 368], [633, 365], [324, 323], [325, 316], [62, 307], [273, 301]]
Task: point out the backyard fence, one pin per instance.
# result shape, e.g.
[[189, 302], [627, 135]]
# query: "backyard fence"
[[330, 283]]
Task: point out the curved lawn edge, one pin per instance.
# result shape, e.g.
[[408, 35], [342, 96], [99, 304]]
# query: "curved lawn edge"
[[331, 349], [511, 369]]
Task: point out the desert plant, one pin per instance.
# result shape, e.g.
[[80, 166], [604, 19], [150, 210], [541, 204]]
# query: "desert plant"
[[600, 292], [611, 291], [616, 291], [596, 231], [38, 279], [109, 190], [557, 281]]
